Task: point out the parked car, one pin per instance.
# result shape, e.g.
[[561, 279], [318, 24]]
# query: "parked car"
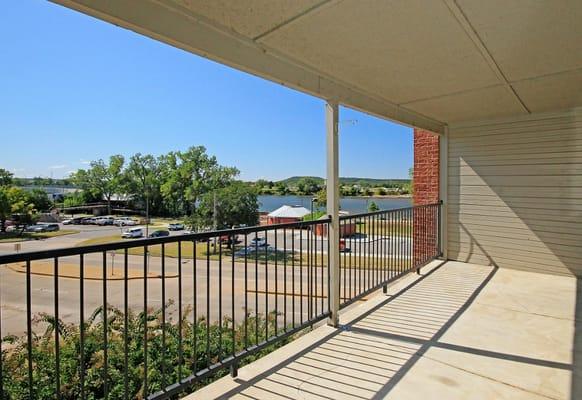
[[124, 221], [132, 233], [227, 239], [176, 227], [43, 227], [343, 248], [89, 221], [245, 251], [259, 242], [102, 221], [159, 233], [73, 221], [261, 250], [36, 228], [192, 232]]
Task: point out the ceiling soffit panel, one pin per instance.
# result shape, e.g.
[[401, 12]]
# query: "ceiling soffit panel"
[[552, 92], [250, 18], [172, 23], [529, 38], [400, 50], [479, 104]]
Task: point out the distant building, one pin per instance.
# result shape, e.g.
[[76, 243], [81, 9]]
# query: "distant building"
[[347, 228], [287, 214]]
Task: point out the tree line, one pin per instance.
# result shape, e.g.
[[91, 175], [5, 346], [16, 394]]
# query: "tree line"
[[307, 186], [15, 200], [189, 184]]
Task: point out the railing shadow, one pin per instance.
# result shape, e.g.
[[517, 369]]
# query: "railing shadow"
[[367, 358], [371, 354]]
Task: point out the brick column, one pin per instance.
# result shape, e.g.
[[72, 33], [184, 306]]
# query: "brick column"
[[425, 191]]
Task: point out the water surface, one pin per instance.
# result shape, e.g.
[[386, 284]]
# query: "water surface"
[[353, 205]]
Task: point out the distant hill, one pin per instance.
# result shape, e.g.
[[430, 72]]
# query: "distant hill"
[[294, 179], [348, 181], [38, 181]]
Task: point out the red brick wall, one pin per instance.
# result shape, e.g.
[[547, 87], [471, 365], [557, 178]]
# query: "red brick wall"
[[425, 191], [282, 220], [426, 167]]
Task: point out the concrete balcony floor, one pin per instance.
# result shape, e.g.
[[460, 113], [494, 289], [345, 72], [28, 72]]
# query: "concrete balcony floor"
[[458, 331]]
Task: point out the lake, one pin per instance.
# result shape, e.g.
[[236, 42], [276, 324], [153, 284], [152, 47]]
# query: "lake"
[[353, 205]]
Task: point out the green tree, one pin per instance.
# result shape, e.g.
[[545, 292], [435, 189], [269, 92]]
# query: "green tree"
[[6, 177], [194, 173], [281, 189], [102, 179], [39, 199], [264, 186], [409, 187], [142, 179], [173, 184], [308, 185], [73, 199], [5, 208], [321, 198], [14, 200], [236, 204], [372, 206]]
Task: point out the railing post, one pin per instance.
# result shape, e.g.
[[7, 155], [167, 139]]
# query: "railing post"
[[331, 116], [233, 370], [443, 189]]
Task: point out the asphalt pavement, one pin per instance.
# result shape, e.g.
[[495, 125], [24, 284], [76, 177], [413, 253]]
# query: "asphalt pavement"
[[293, 292]]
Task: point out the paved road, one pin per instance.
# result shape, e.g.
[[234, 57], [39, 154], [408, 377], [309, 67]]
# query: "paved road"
[[261, 286], [298, 240]]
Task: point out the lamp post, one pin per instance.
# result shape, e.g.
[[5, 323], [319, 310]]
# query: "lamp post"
[[313, 200]]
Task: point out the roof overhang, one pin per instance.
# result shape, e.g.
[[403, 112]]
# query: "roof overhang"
[[417, 62]]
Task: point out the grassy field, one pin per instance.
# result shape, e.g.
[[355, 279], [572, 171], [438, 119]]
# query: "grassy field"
[[206, 250], [386, 228], [11, 237]]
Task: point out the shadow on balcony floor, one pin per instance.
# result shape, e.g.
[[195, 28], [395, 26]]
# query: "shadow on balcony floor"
[[460, 331]]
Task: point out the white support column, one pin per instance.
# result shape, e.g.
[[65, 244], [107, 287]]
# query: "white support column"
[[444, 188], [331, 117]]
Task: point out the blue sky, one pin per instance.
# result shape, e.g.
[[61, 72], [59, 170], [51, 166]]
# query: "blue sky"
[[74, 89]]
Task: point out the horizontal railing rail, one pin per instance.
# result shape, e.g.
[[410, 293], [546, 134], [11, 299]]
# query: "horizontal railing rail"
[[155, 318], [126, 244]]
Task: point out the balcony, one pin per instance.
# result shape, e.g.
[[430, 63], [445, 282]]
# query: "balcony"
[[451, 330], [157, 318], [457, 331], [498, 82]]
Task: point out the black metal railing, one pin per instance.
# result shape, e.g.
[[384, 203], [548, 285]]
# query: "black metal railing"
[[378, 247], [154, 318]]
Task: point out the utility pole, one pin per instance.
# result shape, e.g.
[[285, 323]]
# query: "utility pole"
[[214, 219], [147, 213]]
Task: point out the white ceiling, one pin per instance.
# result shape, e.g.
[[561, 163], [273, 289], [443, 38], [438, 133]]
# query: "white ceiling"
[[421, 62]]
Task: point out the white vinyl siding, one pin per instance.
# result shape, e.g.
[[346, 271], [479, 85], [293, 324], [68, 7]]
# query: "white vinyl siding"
[[515, 193]]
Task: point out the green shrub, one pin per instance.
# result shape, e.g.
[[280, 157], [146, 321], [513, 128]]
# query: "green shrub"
[[160, 357]]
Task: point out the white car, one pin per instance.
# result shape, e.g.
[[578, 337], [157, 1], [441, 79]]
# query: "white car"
[[132, 233], [102, 221], [176, 227], [124, 221]]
